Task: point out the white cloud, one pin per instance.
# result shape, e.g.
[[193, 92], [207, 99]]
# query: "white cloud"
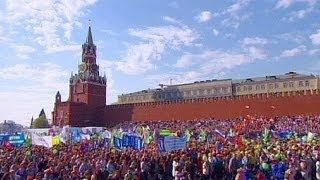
[[48, 74], [315, 38], [253, 46], [141, 57], [233, 14], [109, 32], [284, 3], [296, 37], [181, 77], [62, 48], [215, 32], [24, 51], [40, 83], [293, 16], [257, 53], [3, 37], [254, 41], [209, 64], [170, 19], [314, 52], [239, 5], [173, 36], [107, 66], [205, 16], [174, 4], [212, 61], [287, 3], [27, 101], [294, 52], [45, 19]]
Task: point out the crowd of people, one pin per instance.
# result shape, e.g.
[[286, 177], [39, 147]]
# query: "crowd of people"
[[243, 149]]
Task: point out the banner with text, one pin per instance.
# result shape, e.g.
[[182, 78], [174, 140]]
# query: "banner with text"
[[128, 140], [171, 143]]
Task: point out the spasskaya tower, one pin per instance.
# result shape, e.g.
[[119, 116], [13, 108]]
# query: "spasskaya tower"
[[87, 92], [88, 86]]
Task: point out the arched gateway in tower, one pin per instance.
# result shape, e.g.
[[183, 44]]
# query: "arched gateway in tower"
[[87, 93]]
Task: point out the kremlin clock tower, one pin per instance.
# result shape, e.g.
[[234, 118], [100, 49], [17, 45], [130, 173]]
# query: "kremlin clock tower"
[[87, 92]]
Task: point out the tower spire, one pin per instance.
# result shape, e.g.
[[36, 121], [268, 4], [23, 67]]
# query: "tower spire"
[[89, 37]]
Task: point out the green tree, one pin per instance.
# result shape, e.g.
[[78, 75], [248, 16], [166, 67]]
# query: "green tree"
[[40, 122]]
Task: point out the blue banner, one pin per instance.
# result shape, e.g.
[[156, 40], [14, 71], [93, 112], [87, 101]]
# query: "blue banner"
[[3, 139], [128, 140], [17, 140], [76, 134], [171, 143]]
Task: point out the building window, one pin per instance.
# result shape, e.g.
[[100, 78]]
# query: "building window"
[[291, 85], [249, 88], [257, 87], [307, 83], [224, 90], [300, 83], [217, 90], [263, 86], [238, 89], [276, 85], [174, 94], [270, 86], [285, 85], [244, 88]]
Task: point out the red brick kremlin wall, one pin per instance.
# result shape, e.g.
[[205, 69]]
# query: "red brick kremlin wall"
[[270, 105]]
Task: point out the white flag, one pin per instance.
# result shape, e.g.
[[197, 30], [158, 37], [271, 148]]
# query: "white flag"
[[45, 141]]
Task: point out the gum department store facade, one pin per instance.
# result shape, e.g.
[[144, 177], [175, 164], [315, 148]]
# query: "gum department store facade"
[[288, 94]]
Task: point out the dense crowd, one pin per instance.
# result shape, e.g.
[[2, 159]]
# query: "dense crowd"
[[242, 148]]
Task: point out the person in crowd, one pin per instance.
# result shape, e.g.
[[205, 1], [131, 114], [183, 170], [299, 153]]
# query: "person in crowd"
[[243, 148]]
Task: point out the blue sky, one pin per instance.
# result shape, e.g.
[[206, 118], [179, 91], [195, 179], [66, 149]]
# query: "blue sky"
[[144, 43]]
